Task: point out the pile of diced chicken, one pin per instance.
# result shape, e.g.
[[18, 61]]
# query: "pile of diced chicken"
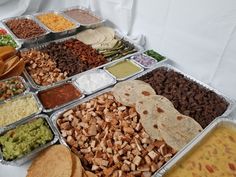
[[110, 140]]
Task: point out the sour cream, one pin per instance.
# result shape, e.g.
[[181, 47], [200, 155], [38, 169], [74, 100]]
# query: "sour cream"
[[94, 81]]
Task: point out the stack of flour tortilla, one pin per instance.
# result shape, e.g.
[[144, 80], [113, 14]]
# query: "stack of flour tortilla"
[[99, 38], [157, 114]]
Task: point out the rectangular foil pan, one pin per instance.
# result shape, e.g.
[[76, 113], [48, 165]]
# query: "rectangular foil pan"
[[61, 106], [19, 44], [89, 93], [231, 102], [92, 25], [57, 114], [124, 78], [38, 47], [59, 34], [153, 65], [32, 154], [220, 121], [29, 40], [40, 107], [22, 81]]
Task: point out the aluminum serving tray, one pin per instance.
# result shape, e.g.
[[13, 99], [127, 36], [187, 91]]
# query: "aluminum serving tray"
[[146, 67], [159, 62], [98, 89], [125, 78], [63, 105], [165, 58], [40, 107], [220, 121], [28, 40], [92, 25], [166, 166], [40, 46], [231, 102], [19, 44], [59, 34], [32, 154], [22, 81], [57, 114]]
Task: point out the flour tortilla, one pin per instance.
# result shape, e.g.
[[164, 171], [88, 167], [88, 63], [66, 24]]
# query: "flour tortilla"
[[128, 92], [55, 161], [162, 121], [146, 107], [91, 37], [178, 130], [108, 32]]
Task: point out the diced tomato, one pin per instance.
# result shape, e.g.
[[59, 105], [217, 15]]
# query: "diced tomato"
[[3, 31], [232, 166], [209, 168]]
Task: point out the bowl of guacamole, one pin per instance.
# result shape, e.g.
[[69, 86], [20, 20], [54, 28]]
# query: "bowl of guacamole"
[[23, 139]]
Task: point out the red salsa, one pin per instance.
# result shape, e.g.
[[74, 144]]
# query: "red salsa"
[[58, 96]]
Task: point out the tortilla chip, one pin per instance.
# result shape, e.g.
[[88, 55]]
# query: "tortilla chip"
[[9, 63], [77, 170], [55, 161], [2, 67], [6, 52], [15, 70]]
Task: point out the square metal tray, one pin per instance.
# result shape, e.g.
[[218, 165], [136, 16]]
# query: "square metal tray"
[[125, 78], [40, 107], [32, 154], [29, 40], [59, 34], [220, 121], [63, 105], [92, 25], [22, 81], [97, 70], [19, 44]]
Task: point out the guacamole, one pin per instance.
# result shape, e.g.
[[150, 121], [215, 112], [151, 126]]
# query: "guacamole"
[[25, 138]]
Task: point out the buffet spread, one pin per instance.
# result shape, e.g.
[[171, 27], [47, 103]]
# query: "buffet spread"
[[79, 99]]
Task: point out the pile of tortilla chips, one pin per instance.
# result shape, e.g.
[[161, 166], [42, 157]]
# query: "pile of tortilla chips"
[[57, 161], [10, 64]]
